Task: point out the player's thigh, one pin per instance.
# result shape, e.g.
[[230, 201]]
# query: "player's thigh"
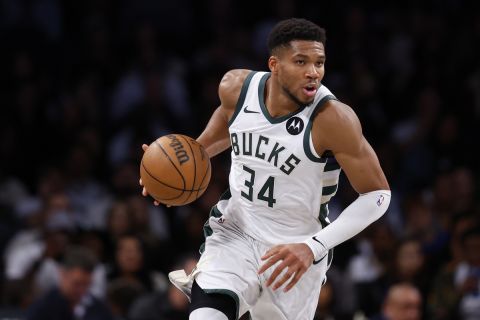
[[299, 303], [227, 266]]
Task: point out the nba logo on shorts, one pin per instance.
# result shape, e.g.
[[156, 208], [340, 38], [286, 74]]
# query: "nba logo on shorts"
[[380, 200]]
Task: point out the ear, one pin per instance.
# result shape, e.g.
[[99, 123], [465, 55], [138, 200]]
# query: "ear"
[[273, 64]]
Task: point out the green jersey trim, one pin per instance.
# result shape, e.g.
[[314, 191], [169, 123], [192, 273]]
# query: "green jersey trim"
[[331, 163], [241, 98], [263, 107], [329, 190], [214, 212], [308, 130], [323, 217], [331, 166]]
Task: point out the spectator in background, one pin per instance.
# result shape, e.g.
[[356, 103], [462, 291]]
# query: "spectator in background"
[[463, 186], [17, 296], [58, 226], [409, 265], [369, 268], [70, 300], [119, 222], [422, 223], [35, 252], [152, 227], [467, 276], [170, 304], [443, 297], [341, 302], [121, 294], [403, 302], [84, 191], [149, 222], [93, 241], [130, 264]]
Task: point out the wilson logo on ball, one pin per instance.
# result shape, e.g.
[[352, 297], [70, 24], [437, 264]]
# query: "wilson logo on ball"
[[175, 170], [180, 152]]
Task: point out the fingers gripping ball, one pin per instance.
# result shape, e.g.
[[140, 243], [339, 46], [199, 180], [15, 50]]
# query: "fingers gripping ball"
[[175, 170]]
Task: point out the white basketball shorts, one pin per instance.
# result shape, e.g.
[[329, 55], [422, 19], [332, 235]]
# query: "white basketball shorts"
[[230, 265]]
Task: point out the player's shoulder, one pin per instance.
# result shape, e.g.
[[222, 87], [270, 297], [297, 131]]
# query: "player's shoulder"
[[231, 86], [336, 115], [235, 76], [337, 126]]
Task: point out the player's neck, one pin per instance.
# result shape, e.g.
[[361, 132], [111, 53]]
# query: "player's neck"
[[277, 101]]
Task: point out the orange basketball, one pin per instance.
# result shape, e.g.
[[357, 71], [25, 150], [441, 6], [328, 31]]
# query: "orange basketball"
[[175, 169]]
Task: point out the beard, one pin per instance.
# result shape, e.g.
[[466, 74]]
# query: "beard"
[[296, 100]]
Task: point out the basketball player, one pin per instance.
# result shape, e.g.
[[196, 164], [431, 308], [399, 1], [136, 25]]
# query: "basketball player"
[[269, 235]]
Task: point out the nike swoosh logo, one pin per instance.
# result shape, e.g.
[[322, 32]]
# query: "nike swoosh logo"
[[249, 111], [321, 259], [315, 239]]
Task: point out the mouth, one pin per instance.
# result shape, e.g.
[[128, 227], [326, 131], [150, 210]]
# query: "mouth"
[[310, 90]]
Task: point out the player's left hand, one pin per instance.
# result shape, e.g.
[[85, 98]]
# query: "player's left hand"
[[144, 190], [296, 257]]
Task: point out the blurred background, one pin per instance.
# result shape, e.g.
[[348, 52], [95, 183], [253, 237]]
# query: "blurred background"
[[84, 83]]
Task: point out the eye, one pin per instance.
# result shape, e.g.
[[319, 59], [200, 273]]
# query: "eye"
[[319, 63], [300, 62]]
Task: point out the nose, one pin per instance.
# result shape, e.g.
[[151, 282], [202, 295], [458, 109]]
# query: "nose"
[[312, 72]]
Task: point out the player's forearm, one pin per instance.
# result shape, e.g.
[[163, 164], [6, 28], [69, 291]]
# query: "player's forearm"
[[216, 147], [366, 209]]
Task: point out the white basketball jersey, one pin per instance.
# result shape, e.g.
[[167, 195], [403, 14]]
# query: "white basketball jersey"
[[279, 186]]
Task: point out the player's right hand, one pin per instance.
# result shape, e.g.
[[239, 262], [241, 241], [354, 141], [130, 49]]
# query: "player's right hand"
[[296, 258], [144, 191]]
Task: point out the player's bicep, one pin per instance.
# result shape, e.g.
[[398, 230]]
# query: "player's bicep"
[[342, 134], [215, 138], [362, 167]]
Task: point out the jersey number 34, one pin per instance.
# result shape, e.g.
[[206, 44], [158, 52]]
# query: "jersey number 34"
[[265, 193]]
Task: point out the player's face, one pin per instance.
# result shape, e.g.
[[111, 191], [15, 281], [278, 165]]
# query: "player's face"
[[299, 69]]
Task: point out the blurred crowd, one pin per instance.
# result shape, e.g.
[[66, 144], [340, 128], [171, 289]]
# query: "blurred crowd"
[[84, 83]]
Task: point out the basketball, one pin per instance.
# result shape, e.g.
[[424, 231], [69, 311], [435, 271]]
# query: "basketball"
[[175, 170]]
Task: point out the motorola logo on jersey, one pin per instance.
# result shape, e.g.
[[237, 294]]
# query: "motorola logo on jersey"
[[295, 125]]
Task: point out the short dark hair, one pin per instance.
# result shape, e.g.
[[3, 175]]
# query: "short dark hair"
[[294, 29], [79, 257]]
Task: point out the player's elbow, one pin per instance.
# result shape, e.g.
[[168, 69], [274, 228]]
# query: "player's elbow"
[[377, 202], [382, 199]]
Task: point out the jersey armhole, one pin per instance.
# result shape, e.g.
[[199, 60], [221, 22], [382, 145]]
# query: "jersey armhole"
[[241, 98], [310, 151]]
